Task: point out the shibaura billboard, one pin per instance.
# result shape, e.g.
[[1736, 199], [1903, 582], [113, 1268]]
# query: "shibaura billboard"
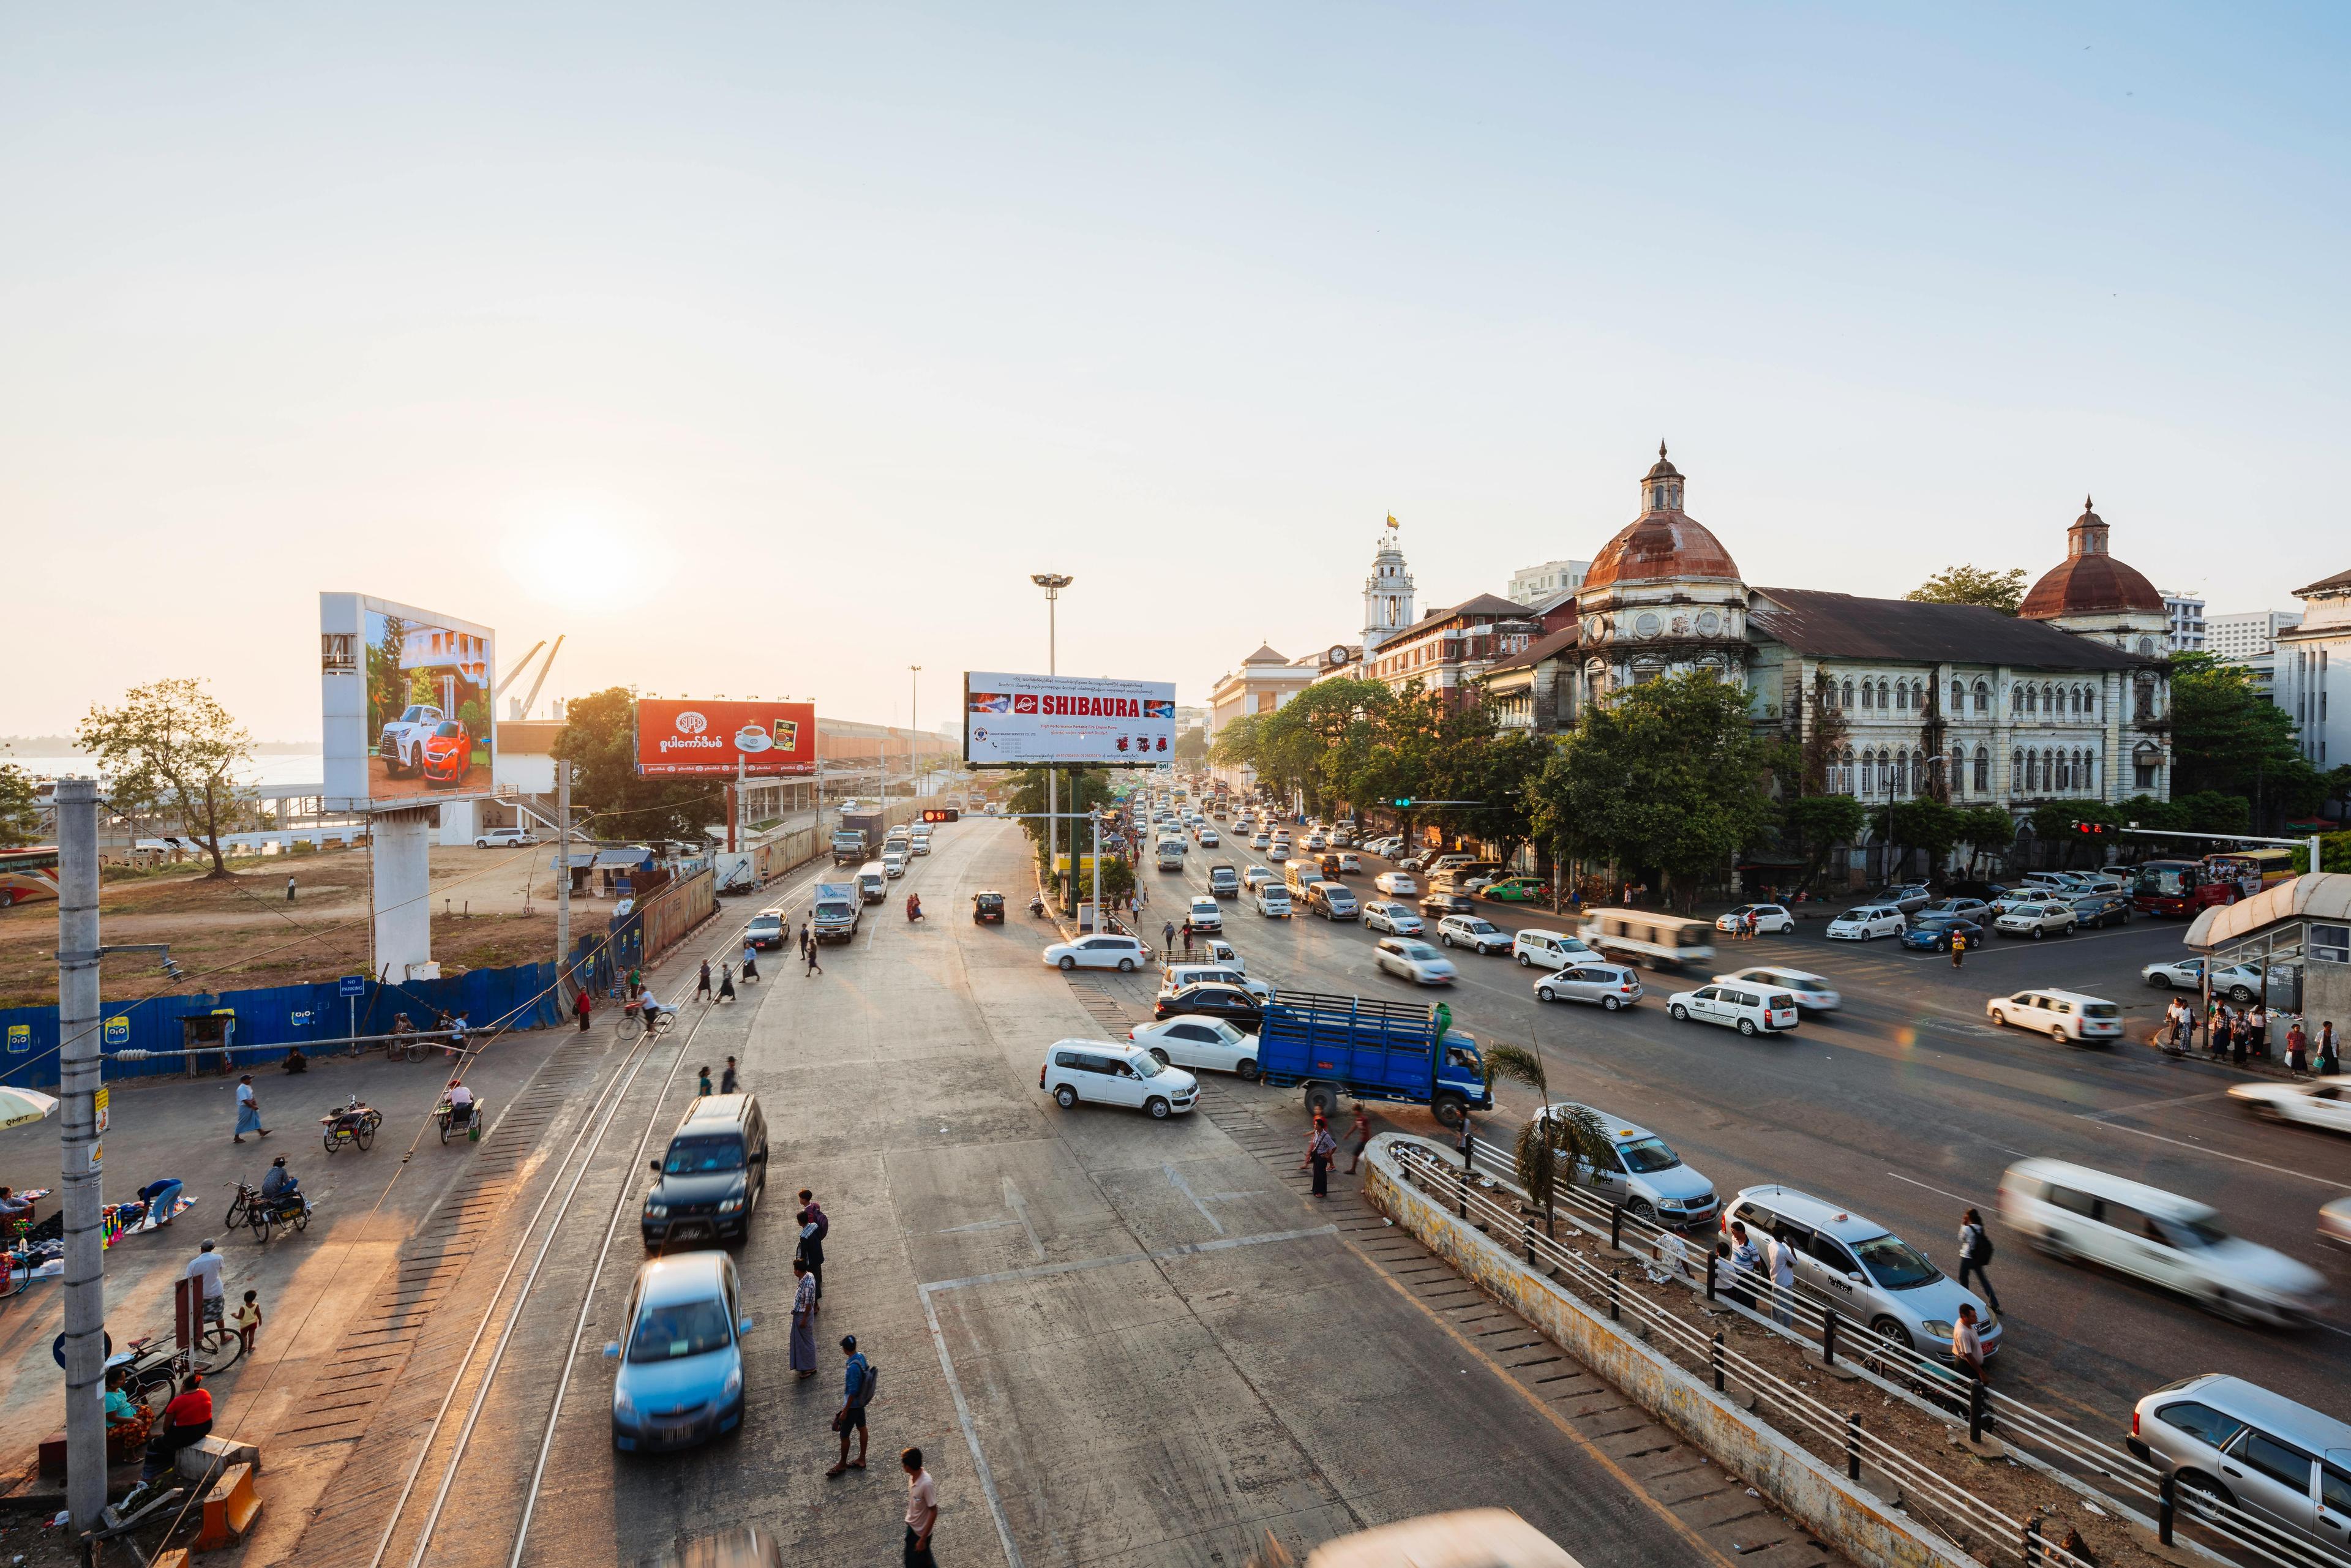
[[713, 739], [1080, 721], [406, 696]]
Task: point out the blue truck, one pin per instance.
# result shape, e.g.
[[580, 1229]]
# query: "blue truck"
[[1371, 1049]]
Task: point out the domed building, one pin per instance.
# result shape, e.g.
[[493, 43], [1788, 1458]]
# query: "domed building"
[[1662, 597], [2091, 594]]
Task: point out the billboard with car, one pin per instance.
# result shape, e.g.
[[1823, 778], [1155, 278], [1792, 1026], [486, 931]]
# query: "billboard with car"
[[681, 738], [405, 701], [1028, 721]]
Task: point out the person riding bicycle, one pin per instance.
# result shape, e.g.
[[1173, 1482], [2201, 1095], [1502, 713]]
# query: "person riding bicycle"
[[649, 1008], [281, 1188], [461, 1103]]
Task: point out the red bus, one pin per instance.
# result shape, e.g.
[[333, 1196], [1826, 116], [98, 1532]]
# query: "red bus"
[[2179, 888]]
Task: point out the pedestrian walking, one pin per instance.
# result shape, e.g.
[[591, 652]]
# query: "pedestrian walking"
[[582, 1005], [206, 1266], [857, 1393], [1958, 949], [701, 986], [1975, 1251], [1167, 936], [289, 890], [1188, 938], [803, 1319], [814, 967], [922, 1509], [1319, 1150], [814, 1228], [2326, 1065], [702, 1084], [2297, 1055], [246, 1320], [725, 982], [728, 1082], [1783, 1280], [750, 964], [2258, 1018], [1359, 1139], [248, 1112]]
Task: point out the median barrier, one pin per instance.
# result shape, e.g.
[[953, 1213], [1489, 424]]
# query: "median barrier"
[[230, 1508]]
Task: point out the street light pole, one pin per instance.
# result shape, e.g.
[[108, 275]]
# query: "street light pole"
[[1053, 582], [915, 726], [79, 1070]]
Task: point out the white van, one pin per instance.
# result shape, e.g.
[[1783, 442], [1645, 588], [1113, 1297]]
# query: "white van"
[[894, 863], [2075, 1213], [1635, 935], [1273, 901], [872, 881], [1551, 949], [2067, 1017]]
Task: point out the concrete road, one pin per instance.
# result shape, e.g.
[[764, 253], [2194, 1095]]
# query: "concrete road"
[[1117, 1340], [1906, 1107]]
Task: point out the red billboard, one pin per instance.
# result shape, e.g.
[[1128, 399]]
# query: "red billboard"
[[678, 738]]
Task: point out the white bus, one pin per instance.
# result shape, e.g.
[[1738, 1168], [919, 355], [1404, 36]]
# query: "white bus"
[[1641, 936]]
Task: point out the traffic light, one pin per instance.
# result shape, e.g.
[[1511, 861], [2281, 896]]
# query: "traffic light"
[[2092, 830], [1403, 803], [942, 814]]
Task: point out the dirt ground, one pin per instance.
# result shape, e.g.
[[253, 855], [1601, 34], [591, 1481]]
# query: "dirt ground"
[[490, 908]]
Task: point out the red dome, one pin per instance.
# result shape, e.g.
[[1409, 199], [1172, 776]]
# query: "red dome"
[[2089, 581], [1658, 546]]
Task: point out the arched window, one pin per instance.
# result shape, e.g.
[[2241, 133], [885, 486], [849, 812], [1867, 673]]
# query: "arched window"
[[1885, 772], [1983, 697], [2031, 699], [2090, 772], [1845, 783], [1868, 695], [2049, 699], [1959, 774], [2016, 784], [2065, 773], [1983, 769], [1881, 696], [1847, 704], [1959, 699], [2090, 702], [1902, 771], [1828, 695]]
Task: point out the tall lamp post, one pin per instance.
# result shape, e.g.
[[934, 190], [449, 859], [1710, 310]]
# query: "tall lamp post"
[[914, 729], [1053, 582]]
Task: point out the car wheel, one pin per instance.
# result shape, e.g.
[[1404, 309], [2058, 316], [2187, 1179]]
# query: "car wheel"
[[1747, 1026], [1159, 1056], [2058, 1034], [1525, 962], [1999, 1019], [1126, 966], [2241, 993], [1680, 1013], [1246, 1071], [1641, 1210], [1158, 1108], [1444, 939], [1610, 1004], [1068, 963], [1322, 1101], [1891, 1331], [2039, 932], [2161, 982], [2205, 1491], [1065, 1096]]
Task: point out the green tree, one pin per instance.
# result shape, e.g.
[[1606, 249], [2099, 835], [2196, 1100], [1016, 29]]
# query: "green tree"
[[2001, 590], [1927, 824], [1192, 746], [1985, 829], [172, 745], [1572, 1131], [1668, 774], [2216, 812], [2334, 855], [20, 809], [599, 742], [1817, 824], [1079, 790], [1238, 743], [2052, 823], [2225, 732]]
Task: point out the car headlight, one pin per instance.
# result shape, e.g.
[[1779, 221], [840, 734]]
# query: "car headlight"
[[733, 1385], [1936, 1328], [622, 1406], [656, 1211], [730, 1205]]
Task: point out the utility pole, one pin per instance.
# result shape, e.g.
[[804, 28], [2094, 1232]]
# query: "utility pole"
[[915, 726], [79, 1071], [562, 881], [1053, 582]]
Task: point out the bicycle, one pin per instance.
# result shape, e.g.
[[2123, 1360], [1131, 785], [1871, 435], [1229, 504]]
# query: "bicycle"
[[241, 1204], [154, 1366], [660, 1023]]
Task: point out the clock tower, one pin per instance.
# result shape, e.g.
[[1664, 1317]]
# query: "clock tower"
[[1388, 592]]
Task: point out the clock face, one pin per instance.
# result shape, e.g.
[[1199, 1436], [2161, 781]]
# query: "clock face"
[[1709, 622], [1647, 624], [1338, 652]]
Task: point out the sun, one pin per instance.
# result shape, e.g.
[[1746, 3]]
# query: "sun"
[[590, 550]]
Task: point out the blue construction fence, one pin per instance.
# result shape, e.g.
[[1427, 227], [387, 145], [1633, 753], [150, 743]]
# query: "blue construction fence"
[[316, 1016]]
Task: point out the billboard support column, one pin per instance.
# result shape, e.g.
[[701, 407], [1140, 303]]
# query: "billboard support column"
[[403, 911], [735, 809], [77, 1076], [562, 883]]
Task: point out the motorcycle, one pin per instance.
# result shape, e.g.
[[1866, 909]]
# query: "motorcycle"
[[266, 1218], [1037, 906], [351, 1124]]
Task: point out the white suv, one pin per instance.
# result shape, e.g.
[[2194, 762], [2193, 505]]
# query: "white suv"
[[505, 838], [2067, 1017], [1750, 1010], [1109, 1074], [1480, 936], [1123, 954], [1867, 923]]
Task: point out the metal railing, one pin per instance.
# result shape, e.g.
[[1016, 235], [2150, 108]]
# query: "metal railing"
[[1925, 1381]]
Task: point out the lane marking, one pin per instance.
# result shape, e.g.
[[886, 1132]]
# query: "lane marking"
[[1082, 1265], [1019, 1208], [2216, 1154], [2132, 1109], [1175, 1179], [1947, 1192]]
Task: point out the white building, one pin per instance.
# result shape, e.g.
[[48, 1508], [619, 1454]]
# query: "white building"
[[1534, 584], [2185, 612], [1388, 592], [2308, 654], [2243, 636], [1264, 682]]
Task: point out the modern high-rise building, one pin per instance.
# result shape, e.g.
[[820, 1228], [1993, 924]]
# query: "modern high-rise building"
[[2186, 613], [2243, 636], [1533, 584]]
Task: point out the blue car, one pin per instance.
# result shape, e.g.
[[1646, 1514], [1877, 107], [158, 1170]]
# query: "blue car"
[[681, 1378], [1933, 933]]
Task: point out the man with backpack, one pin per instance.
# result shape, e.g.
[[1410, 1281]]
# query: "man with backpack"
[[857, 1393], [1975, 1251]]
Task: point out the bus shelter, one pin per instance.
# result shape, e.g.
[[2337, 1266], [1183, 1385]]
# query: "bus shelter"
[[2297, 933]]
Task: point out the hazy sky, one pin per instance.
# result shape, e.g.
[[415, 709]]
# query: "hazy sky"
[[770, 348]]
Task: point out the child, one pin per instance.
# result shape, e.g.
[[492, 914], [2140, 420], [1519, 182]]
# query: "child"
[[246, 1320]]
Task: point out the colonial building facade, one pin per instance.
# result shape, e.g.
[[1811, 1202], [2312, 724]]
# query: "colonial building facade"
[[2067, 700]]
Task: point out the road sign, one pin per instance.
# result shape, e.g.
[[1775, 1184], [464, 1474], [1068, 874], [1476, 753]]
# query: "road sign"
[[352, 986]]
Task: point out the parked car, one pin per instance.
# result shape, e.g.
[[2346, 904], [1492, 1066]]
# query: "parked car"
[[2065, 1017], [1933, 933], [2315, 1102], [1199, 1044], [1123, 954], [1862, 1269], [2079, 1214], [1644, 1173], [1469, 930], [1211, 999], [2102, 909], [1415, 960], [2188, 974], [1535, 949], [1956, 909], [1984, 890], [1611, 986], [1769, 918], [2224, 1437], [1396, 883], [2037, 920], [505, 839], [1396, 919], [1438, 906], [1813, 993], [1103, 1073], [1177, 976], [1205, 914], [1867, 923], [1750, 1010], [681, 1374], [2244, 982]]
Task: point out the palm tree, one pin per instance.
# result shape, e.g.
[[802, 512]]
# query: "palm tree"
[[1573, 1130]]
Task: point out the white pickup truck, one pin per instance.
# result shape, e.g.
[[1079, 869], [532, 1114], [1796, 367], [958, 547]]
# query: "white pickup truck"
[[401, 744]]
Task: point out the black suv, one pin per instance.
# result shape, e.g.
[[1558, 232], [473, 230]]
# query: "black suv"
[[713, 1176], [2103, 909]]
